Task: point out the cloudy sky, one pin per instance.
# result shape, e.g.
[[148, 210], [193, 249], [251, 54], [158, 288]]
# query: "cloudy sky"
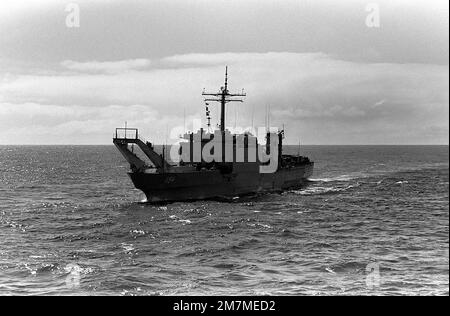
[[326, 75]]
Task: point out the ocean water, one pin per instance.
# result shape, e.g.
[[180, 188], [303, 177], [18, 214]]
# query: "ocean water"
[[374, 220]]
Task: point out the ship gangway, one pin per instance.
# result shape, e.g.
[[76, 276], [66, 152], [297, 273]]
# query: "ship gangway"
[[124, 136]]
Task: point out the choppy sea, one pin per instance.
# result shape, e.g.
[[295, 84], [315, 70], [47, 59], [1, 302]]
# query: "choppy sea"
[[374, 220]]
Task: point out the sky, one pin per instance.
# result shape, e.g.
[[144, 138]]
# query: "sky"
[[331, 72]]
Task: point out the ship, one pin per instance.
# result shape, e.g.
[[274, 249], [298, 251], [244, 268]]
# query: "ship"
[[213, 164]]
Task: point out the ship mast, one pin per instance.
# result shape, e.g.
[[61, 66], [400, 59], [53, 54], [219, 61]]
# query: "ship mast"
[[223, 96]]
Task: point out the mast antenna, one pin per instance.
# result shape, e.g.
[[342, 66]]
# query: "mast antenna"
[[223, 97], [253, 114], [235, 117], [226, 77], [184, 119], [267, 119]]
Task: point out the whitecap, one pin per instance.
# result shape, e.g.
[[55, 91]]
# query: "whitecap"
[[127, 247], [324, 190], [344, 177], [330, 270]]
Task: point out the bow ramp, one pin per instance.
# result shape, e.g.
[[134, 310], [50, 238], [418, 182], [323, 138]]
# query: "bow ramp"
[[125, 136]]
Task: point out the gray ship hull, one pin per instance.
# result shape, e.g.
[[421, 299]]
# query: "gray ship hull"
[[209, 184]]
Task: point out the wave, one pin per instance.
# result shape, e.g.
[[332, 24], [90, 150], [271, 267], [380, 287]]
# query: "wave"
[[341, 178], [183, 221], [346, 267], [127, 247], [372, 173], [319, 190]]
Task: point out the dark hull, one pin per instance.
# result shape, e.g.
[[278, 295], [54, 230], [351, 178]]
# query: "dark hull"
[[208, 184]]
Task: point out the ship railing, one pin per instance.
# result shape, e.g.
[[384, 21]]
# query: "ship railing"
[[126, 133], [131, 135]]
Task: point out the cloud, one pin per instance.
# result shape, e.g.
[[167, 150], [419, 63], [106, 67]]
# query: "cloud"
[[318, 97], [9, 7], [106, 66], [35, 123], [411, 31], [379, 103]]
